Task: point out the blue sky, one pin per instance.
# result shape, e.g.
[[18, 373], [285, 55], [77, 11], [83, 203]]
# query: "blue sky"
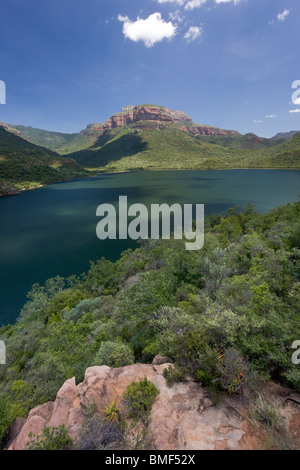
[[229, 63]]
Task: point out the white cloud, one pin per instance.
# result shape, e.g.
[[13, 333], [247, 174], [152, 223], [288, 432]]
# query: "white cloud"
[[282, 16], [176, 16], [194, 4], [123, 18], [294, 111], [271, 116], [227, 1], [180, 2], [193, 33], [257, 122], [151, 30]]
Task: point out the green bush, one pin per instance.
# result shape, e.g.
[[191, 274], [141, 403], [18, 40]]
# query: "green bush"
[[173, 374], [114, 354], [5, 417], [53, 438], [139, 398]]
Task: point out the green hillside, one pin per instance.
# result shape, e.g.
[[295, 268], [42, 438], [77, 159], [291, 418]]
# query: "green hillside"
[[24, 165], [285, 155], [165, 148], [49, 139], [248, 141], [135, 147]]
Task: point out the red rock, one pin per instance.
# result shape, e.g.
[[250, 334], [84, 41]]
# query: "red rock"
[[183, 416]]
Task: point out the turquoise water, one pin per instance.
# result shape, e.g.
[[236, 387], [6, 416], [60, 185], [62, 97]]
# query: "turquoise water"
[[52, 230]]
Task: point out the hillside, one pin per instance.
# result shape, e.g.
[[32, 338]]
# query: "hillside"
[[24, 165], [226, 316], [51, 140], [147, 137]]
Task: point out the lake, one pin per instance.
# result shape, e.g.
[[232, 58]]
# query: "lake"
[[52, 230]]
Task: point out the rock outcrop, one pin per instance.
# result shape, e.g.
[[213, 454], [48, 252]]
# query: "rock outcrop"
[[12, 130], [156, 115], [183, 416]]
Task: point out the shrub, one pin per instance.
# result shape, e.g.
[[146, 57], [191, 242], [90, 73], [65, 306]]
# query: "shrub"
[[232, 369], [99, 434], [52, 439], [112, 411], [173, 374], [139, 398], [114, 354], [5, 417]]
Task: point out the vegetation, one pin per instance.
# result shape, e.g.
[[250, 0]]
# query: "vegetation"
[[144, 146], [52, 439], [51, 140], [225, 314], [112, 411], [24, 165], [267, 416], [114, 354], [139, 398]]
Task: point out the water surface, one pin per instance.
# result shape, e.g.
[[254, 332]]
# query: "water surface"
[[52, 230]]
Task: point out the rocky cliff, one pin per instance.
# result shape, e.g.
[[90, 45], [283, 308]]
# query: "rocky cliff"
[[156, 115], [183, 416]]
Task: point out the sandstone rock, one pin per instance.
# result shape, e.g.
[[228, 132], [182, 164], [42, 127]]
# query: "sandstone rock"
[[183, 415]]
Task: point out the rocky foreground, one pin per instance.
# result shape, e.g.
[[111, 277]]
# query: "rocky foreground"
[[183, 416]]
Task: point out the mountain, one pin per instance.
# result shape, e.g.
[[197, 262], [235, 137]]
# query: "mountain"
[[154, 137], [147, 116], [24, 165], [49, 139], [146, 136], [284, 135]]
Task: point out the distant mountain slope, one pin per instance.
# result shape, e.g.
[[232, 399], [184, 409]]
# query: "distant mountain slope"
[[284, 135], [25, 165], [49, 139], [284, 155], [248, 141]]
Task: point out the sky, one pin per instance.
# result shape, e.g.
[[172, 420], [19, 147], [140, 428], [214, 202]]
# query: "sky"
[[228, 63]]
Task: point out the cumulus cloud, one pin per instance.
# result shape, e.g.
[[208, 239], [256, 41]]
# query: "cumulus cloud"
[[282, 16], [194, 4], [294, 111], [193, 33], [257, 121], [270, 116], [151, 30]]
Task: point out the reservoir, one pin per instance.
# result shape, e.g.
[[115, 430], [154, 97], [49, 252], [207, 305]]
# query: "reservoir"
[[52, 230]]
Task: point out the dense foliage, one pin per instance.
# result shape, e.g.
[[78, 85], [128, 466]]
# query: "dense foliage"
[[223, 313]]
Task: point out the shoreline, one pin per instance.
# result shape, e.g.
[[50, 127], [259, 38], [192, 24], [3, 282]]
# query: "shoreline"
[[19, 191]]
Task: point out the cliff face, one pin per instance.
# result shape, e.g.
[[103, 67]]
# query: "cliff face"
[[157, 115], [183, 416]]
